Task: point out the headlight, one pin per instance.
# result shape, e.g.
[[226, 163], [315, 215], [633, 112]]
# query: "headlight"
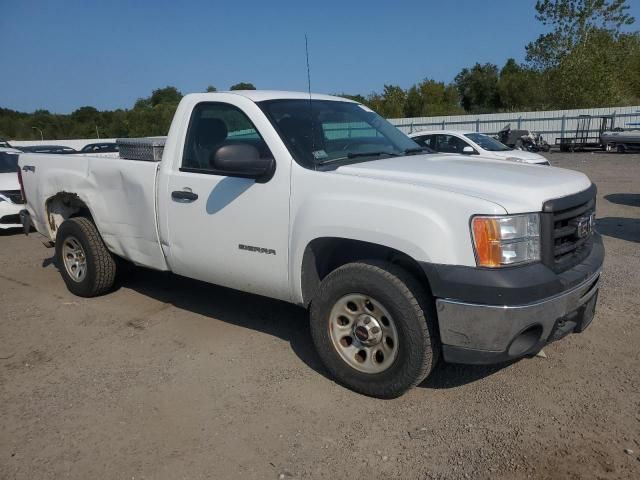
[[516, 159], [506, 240]]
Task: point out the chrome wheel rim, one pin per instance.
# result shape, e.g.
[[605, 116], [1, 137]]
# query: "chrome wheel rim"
[[74, 258], [363, 333]]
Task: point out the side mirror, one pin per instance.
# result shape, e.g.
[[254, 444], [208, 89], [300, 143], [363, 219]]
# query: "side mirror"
[[242, 160], [468, 150]]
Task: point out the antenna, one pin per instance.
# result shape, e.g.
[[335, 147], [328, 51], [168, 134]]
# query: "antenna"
[[306, 48]]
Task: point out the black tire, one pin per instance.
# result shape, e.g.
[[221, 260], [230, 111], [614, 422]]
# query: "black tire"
[[413, 315], [100, 264]]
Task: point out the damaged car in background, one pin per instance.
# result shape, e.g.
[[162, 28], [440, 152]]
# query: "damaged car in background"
[[11, 200]]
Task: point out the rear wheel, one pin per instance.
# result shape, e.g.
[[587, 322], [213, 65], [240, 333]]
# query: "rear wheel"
[[87, 267], [374, 328]]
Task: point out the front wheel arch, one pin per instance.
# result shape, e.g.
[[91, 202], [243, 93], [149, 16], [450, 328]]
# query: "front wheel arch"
[[325, 254]]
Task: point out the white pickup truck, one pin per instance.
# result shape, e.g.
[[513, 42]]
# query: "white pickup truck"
[[402, 256]]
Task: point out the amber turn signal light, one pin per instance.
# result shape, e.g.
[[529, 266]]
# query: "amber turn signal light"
[[486, 235]]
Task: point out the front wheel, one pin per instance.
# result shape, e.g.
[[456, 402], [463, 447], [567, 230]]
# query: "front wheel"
[[374, 328], [87, 267]]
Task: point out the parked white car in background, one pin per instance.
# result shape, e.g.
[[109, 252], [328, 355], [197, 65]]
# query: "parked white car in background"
[[474, 143], [11, 201]]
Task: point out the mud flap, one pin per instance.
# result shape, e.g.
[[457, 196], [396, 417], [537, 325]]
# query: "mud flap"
[[25, 219]]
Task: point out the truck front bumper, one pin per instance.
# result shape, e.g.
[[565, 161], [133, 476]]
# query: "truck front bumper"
[[10, 215], [480, 334], [496, 316]]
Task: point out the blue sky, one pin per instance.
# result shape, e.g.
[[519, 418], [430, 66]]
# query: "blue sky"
[[63, 54]]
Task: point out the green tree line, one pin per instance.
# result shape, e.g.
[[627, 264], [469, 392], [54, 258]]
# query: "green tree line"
[[588, 58]]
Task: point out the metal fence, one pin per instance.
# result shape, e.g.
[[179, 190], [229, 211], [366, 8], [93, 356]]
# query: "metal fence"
[[550, 124]]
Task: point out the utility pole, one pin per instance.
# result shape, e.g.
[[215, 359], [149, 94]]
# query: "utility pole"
[[41, 135]]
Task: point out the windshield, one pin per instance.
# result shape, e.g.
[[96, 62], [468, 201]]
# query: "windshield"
[[486, 142], [8, 162], [319, 132]]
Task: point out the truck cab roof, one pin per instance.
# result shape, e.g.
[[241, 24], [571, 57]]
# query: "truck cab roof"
[[263, 95]]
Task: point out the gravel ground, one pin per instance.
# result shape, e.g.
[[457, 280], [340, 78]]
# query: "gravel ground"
[[170, 378]]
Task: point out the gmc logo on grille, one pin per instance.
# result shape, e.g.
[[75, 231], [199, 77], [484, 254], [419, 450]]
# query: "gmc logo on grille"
[[585, 225]]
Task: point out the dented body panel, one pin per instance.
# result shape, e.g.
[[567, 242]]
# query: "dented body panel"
[[119, 194]]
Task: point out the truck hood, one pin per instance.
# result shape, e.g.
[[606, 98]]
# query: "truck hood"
[[517, 187], [9, 181]]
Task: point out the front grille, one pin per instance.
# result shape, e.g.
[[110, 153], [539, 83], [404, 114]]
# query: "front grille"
[[567, 230], [15, 196]]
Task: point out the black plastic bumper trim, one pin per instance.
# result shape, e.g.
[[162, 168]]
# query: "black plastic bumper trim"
[[469, 356], [511, 285]]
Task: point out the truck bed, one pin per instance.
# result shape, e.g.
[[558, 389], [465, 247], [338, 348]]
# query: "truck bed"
[[121, 194]]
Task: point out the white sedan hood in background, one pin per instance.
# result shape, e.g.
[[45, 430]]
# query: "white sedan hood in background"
[[517, 187], [523, 154], [9, 181]]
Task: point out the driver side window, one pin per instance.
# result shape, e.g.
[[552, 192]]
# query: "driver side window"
[[426, 141], [215, 125], [450, 144]]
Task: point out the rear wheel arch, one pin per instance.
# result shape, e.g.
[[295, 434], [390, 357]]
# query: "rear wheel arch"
[[61, 207]]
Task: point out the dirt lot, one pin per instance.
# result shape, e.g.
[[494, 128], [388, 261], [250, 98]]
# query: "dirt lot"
[[171, 378]]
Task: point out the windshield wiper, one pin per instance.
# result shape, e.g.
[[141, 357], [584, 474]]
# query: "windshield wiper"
[[355, 155], [368, 154]]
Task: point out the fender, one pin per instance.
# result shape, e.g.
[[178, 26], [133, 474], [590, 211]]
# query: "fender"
[[427, 225]]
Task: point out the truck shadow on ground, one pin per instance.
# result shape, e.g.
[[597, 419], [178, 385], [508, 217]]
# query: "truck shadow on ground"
[[273, 317], [9, 232], [630, 199], [448, 375], [280, 319], [620, 227]]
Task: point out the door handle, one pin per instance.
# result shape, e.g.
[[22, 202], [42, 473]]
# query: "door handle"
[[184, 196]]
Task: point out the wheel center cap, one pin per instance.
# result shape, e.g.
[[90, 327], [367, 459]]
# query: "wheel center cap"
[[367, 330], [361, 333]]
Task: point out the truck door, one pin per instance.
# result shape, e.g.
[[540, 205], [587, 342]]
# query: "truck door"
[[223, 229]]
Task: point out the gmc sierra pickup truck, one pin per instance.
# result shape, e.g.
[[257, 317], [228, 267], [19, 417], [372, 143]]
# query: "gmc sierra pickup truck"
[[401, 255]]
